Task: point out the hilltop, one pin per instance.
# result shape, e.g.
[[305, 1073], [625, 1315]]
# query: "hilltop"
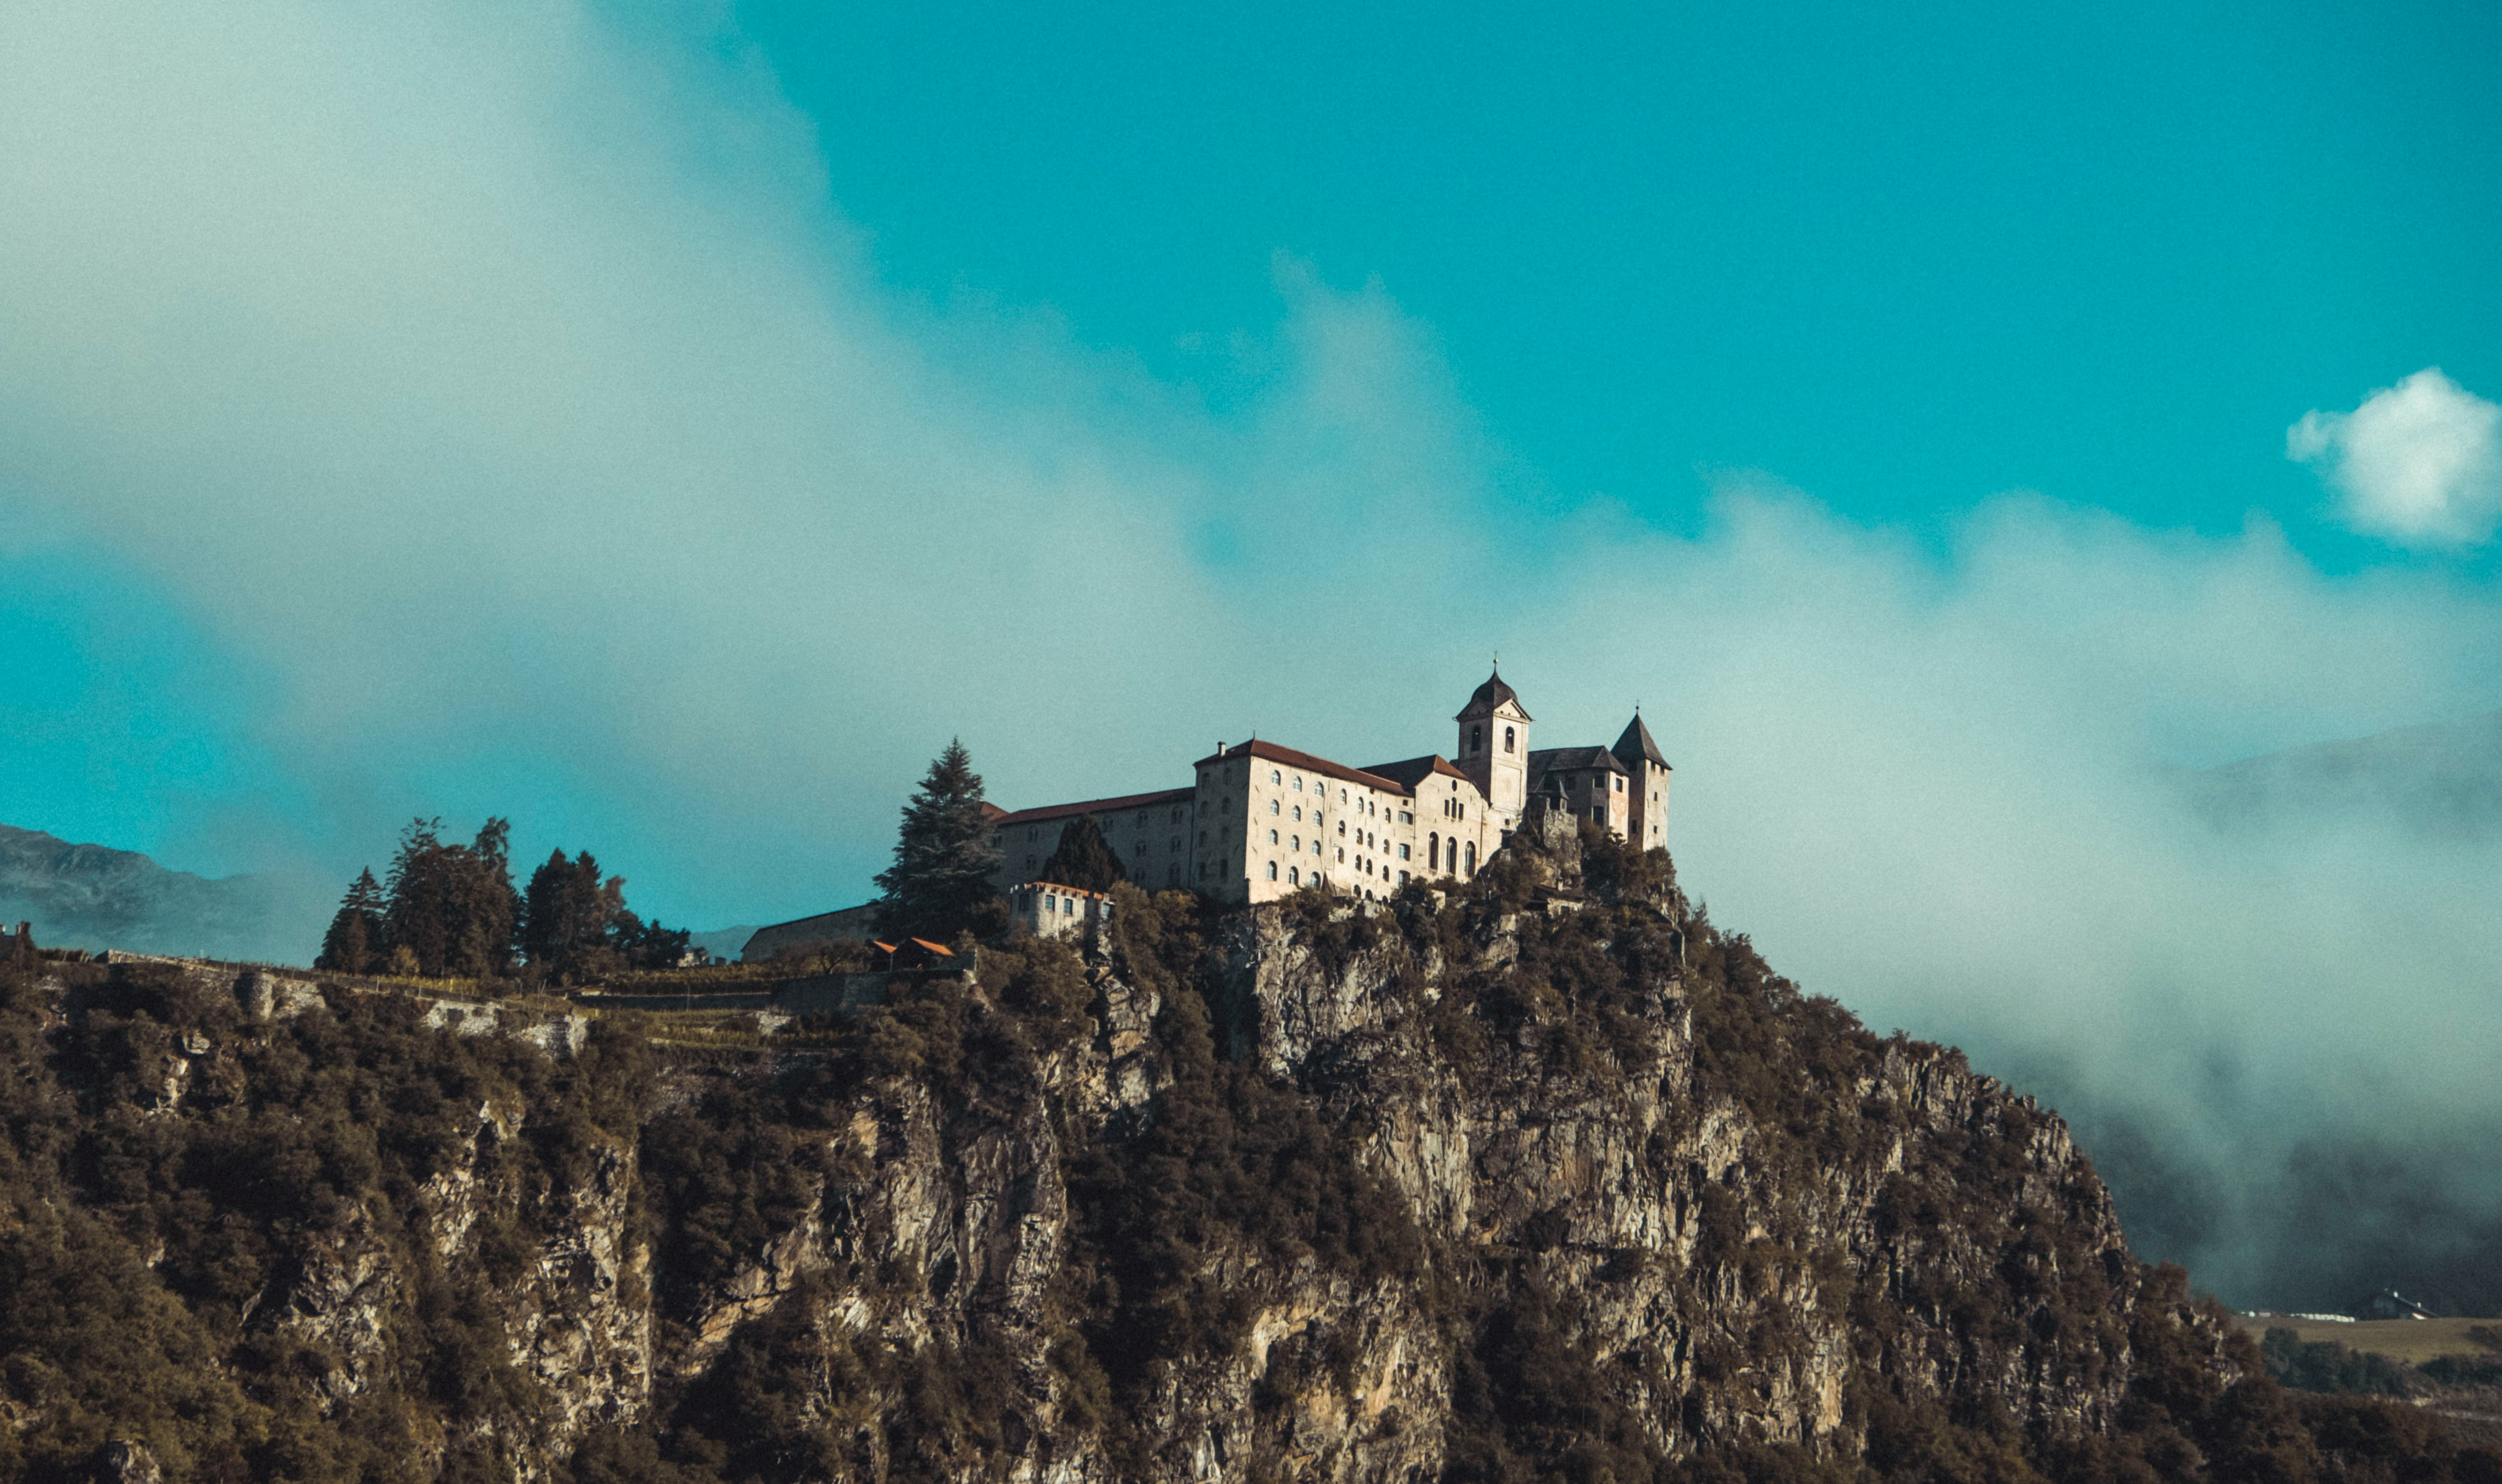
[[1546, 1178]]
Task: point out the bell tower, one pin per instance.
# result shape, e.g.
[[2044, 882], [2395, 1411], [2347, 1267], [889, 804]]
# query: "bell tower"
[[1494, 748]]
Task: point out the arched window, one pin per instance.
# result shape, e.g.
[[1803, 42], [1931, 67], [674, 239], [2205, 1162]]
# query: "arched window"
[[1298, 811], [1316, 845], [1272, 837], [1472, 859], [1296, 843], [1299, 783], [1272, 870], [1434, 850], [1506, 739], [1341, 856], [1476, 739], [1272, 806], [1276, 777], [1294, 877]]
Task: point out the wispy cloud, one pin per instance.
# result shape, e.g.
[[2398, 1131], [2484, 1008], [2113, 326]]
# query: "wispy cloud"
[[2419, 463]]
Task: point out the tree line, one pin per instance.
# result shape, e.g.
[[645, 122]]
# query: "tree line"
[[448, 910]]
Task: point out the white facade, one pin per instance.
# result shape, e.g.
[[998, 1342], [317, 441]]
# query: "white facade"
[[1049, 910], [1261, 821]]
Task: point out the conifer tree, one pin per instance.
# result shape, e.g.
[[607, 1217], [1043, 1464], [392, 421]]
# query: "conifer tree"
[[452, 907], [564, 911], [576, 925], [943, 856], [1083, 858], [356, 942]]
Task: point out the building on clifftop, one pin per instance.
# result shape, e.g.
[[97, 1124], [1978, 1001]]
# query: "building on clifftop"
[[1261, 821]]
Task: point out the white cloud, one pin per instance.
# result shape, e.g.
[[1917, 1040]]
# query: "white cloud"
[[2419, 463]]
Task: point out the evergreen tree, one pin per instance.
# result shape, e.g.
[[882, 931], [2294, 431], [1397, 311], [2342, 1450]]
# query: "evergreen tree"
[[1083, 858], [452, 907], [576, 925], [491, 909], [943, 856], [415, 909], [356, 942], [567, 917]]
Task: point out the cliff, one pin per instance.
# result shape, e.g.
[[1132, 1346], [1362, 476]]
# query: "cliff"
[[1550, 1179]]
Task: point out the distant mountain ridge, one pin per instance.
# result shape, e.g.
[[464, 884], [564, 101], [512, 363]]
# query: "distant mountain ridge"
[[2445, 778], [95, 897]]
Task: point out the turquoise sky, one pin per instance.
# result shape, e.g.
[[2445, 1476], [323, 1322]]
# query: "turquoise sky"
[[1905, 258]]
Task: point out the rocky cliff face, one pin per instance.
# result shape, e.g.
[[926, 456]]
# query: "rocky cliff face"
[[1550, 1178]]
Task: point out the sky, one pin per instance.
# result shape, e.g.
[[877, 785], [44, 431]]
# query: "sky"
[[668, 425]]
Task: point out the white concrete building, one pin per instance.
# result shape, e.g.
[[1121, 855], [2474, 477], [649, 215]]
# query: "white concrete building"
[[1261, 821]]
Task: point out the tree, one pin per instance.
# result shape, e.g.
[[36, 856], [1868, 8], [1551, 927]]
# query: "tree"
[[356, 942], [943, 856], [1083, 858], [452, 907], [576, 926]]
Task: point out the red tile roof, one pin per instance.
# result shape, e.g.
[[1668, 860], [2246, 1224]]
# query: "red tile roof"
[[1049, 812], [1054, 886], [1412, 771], [1308, 762]]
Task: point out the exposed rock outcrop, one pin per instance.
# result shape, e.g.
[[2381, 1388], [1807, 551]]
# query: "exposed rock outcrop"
[[1310, 1190]]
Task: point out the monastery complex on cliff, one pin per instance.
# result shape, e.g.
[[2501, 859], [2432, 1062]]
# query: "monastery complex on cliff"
[[1262, 821]]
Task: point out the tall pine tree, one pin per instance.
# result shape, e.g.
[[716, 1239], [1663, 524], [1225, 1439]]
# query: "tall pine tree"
[[452, 907], [1083, 858], [943, 856], [356, 942]]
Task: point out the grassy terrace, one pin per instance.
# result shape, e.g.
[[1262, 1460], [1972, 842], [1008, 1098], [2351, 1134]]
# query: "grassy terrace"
[[2412, 1341]]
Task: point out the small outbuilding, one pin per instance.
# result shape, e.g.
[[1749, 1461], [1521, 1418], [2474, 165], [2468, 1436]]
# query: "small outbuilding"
[[2389, 1303], [1049, 910]]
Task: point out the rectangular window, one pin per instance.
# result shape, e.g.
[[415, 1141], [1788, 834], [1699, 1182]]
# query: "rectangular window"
[[1403, 853]]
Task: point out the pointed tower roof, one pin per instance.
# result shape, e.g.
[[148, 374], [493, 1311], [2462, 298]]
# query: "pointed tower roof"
[[1638, 742], [1492, 694]]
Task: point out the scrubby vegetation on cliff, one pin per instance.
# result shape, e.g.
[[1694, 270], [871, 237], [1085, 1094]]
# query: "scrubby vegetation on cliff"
[[1548, 1179]]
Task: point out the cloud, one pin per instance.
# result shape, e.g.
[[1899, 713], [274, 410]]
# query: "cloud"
[[498, 403], [1946, 788], [2420, 463]]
